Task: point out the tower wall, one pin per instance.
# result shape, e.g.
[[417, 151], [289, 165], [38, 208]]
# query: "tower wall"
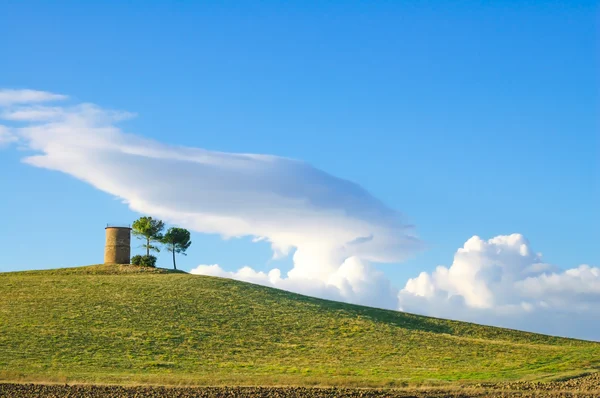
[[117, 249]]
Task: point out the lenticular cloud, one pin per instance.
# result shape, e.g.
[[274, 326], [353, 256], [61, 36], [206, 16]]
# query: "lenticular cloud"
[[335, 227]]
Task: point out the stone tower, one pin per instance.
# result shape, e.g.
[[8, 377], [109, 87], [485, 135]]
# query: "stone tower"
[[118, 245]]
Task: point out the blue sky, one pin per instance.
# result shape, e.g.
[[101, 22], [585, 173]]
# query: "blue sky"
[[469, 118]]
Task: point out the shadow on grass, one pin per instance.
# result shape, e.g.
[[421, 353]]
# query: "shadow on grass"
[[395, 318]]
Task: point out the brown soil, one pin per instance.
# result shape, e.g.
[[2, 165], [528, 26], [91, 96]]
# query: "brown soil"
[[581, 387]]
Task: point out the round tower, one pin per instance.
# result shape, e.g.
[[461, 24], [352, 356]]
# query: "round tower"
[[117, 249]]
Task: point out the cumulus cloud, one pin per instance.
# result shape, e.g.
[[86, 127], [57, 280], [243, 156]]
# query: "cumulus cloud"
[[334, 228], [502, 281], [354, 281]]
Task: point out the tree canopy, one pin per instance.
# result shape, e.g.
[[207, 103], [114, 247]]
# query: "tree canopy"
[[177, 240], [150, 230]]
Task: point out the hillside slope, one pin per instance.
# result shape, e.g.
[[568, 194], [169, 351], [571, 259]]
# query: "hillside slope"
[[119, 325]]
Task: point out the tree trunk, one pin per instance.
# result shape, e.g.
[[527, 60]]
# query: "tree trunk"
[[148, 247], [174, 265]]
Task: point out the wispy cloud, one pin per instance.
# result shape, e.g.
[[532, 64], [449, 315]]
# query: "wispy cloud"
[[6, 136], [335, 229], [10, 97]]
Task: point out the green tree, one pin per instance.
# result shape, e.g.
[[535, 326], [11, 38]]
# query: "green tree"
[[177, 240], [149, 229]]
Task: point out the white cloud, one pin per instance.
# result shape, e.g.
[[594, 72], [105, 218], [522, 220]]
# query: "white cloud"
[[6, 136], [334, 227], [10, 97], [32, 113], [502, 281], [354, 281]]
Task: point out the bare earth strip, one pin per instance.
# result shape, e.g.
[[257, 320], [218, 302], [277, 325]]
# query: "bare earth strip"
[[587, 386]]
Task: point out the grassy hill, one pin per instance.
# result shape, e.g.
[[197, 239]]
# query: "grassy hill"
[[124, 324]]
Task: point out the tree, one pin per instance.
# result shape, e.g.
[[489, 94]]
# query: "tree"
[[149, 229], [177, 240]]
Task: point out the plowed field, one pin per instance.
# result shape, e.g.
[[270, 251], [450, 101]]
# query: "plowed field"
[[588, 386]]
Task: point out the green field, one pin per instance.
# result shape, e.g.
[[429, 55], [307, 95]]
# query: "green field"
[[117, 324]]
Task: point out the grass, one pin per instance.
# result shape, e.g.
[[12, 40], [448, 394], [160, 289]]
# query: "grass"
[[131, 325]]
